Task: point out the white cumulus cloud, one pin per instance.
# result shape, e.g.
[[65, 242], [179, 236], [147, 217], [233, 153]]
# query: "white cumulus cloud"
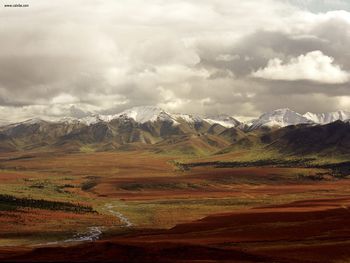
[[313, 66]]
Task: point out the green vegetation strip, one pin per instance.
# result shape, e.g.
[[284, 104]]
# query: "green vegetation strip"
[[9, 201], [339, 169]]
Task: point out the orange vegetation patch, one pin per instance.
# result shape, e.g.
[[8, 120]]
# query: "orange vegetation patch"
[[32, 222], [13, 177], [122, 164], [217, 183], [272, 234]]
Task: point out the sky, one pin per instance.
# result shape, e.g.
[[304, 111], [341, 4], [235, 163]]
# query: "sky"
[[243, 58]]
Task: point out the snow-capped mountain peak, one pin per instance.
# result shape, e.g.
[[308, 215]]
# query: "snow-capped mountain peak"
[[144, 114], [328, 117], [68, 120], [187, 118], [89, 120], [224, 120], [279, 118], [92, 119]]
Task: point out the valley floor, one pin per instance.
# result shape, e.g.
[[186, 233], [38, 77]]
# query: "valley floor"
[[141, 207]]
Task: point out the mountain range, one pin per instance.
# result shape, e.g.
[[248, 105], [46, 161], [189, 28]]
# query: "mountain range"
[[158, 130], [276, 118]]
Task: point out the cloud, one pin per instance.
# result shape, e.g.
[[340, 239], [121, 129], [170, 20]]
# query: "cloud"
[[313, 66], [105, 56], [344, 102], [64, 99], [322, 5]]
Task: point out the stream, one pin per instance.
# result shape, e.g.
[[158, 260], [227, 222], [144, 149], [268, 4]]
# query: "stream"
[[123, 219], [93, 233]]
